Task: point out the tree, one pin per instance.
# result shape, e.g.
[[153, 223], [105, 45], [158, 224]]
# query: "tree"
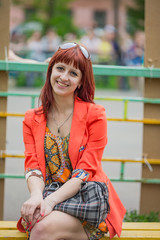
[[50, 13], [136, 16]]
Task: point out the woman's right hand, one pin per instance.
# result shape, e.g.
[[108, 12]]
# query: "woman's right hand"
[[29, 207]]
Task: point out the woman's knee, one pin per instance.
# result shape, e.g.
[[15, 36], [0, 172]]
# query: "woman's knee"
[[38, 231], [42, 231]]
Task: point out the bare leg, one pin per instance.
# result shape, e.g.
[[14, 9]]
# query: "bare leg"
[[58, 226]]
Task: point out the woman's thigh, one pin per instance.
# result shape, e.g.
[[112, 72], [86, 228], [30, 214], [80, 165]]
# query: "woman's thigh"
[[58, 225]]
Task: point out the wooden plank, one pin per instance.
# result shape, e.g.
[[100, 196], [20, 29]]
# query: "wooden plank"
[[126, 225], [12, 234], [141, 234], [150, 194], [131, 230], [141, 226], [4, 44], [126, 235], [8, 225]]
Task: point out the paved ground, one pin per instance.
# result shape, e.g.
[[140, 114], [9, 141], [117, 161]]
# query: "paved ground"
[[124, 140]]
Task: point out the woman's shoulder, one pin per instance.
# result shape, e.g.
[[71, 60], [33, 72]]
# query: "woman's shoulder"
[[30, 113], [92, 106], [94, 110]]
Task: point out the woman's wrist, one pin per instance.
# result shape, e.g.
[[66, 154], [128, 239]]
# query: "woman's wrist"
[[36, 193], [51, 201]]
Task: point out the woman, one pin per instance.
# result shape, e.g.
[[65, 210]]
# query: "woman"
[[64, 141]]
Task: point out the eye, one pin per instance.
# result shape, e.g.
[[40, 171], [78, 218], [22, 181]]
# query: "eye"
[[74, 74], [60, 68]]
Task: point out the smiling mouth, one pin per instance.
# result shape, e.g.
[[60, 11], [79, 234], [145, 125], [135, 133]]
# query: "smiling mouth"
[[62, 84]]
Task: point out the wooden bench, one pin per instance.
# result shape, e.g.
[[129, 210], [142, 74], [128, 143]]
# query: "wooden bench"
[[130, 231]]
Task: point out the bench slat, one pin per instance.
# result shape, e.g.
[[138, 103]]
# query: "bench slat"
[[141, 234], [8, 225], [130, 231], [126, 225], [141, 226], [12, 234]]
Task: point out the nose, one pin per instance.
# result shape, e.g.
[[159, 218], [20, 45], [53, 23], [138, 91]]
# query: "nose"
[[64, 76]]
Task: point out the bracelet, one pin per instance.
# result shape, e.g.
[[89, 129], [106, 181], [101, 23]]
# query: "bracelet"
[[34, 172]]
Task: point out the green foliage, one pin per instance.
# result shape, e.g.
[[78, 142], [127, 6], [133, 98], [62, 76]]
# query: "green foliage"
[[21, 79], [133, 216], [61, 18], [136, 16], [111, 82], [39, 81], [106, 82], [51, 13]]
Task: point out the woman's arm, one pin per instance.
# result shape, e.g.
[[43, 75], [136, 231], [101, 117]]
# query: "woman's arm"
[[33, 174], [13, 57], [68, 189], [35, 186]]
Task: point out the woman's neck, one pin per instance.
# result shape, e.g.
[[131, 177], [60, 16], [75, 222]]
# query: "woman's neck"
[[63, 104]]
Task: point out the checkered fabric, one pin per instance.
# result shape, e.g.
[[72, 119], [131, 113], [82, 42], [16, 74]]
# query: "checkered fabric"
[[89, 204]]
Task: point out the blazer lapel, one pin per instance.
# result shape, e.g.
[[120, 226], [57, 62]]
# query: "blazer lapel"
[[77, 130], [39, 125]]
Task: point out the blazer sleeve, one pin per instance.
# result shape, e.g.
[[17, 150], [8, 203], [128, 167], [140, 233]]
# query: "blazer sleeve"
[[31, 162], [96, 129]]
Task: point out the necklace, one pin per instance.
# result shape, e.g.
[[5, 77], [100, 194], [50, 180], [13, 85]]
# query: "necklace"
[[59, 127]]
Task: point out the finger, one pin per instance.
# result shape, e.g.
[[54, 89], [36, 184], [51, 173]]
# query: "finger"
[[36, 215], [24, 213], [35, 220], [42, 208], [31, 212]]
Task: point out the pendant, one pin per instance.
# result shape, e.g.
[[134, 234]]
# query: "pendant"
[[58, 130]]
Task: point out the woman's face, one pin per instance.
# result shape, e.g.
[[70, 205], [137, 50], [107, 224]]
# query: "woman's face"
[[65, 78]]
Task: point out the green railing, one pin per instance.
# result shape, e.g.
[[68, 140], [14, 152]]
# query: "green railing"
[[98, 70]]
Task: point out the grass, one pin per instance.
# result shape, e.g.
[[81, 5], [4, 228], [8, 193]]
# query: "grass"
[[133, 216]]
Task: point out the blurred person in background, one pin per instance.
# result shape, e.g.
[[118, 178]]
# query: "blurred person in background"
[[111, 37], [91, 41], [105, 50], [35, 52], [34, 46], [50, 42], [134, 54], [70, 37], [18, 43]]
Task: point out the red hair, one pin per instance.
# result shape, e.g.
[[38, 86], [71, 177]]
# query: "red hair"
[[69, 56]]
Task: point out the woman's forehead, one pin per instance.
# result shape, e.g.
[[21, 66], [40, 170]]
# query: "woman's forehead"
[[71, 63]]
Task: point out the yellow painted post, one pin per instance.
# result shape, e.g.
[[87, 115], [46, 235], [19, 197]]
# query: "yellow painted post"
[[4, 44], [150, 194]]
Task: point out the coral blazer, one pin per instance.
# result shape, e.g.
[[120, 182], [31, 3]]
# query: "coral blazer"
[[88, 138]]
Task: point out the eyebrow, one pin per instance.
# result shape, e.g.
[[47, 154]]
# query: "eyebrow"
[[72, 68]]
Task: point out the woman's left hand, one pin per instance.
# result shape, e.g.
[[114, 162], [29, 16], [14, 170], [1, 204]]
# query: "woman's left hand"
[[49, 204]]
